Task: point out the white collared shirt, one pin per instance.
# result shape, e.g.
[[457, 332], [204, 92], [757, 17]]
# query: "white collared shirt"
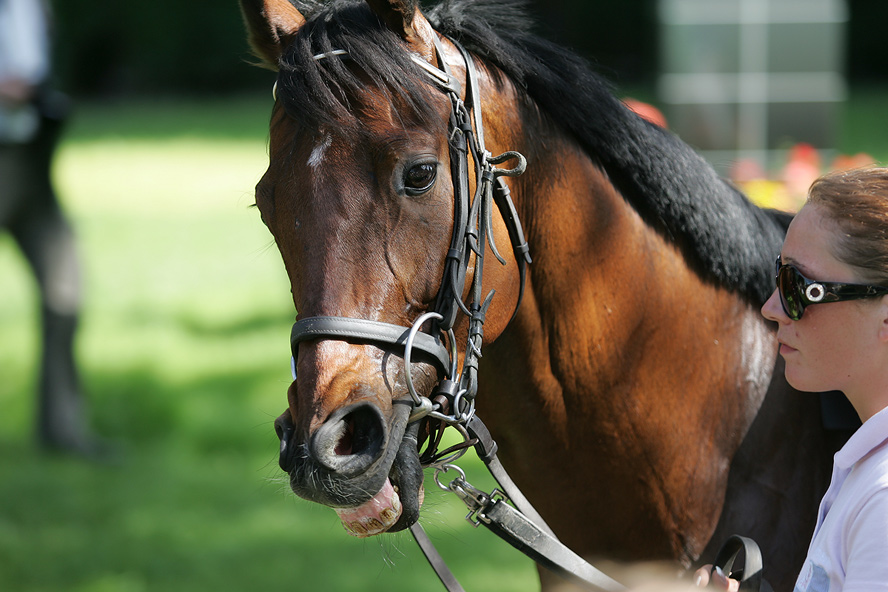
[[24, 41], [849, 550]]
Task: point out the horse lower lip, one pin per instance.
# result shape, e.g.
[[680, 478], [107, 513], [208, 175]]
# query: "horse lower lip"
[[375, 516], [389, 510]]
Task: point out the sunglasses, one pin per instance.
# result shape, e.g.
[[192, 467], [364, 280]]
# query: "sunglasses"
[[796, 291]]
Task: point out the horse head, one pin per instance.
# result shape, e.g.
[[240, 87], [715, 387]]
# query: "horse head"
[[359, 198]]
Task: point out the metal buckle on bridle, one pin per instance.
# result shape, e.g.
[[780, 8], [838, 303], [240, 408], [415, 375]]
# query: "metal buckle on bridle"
[[423, 406], [494, 511], [475, 499]]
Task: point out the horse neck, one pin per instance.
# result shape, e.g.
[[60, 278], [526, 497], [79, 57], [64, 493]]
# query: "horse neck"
[[622, 356], [615, 315], [601, 273]]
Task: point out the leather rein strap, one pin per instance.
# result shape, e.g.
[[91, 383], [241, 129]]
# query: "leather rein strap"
[[749, 572], [523, 528], [472, 233]]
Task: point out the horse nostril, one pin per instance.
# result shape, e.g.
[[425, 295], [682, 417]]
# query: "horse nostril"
[[346, 443], [350, 440], [284, 428]]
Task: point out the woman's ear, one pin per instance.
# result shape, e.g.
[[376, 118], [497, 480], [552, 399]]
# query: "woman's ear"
[[883, 319]]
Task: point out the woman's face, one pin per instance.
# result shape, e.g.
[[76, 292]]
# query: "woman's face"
[[834, 345]]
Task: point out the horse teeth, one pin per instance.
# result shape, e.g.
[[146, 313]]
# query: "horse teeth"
[[374, 516], [365, 528]]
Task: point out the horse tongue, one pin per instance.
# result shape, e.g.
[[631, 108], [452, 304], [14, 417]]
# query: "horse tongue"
[[375, 516]]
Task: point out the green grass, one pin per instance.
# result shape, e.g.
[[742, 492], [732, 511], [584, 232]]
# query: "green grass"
[[184, 356]]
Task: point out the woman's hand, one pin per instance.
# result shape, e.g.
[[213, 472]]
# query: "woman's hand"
[[715, 579]]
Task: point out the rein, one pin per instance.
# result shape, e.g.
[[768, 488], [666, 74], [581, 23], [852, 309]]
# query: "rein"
[[452, 402]]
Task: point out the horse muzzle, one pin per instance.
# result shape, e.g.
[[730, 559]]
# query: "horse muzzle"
[[360, 463]]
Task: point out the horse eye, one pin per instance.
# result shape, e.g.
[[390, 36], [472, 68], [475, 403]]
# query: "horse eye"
[[419, 178]]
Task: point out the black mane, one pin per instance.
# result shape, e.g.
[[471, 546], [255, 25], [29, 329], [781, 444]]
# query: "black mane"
[[724, 236]]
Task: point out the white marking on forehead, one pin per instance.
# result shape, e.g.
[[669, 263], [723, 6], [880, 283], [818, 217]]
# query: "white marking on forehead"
[[317, 154]]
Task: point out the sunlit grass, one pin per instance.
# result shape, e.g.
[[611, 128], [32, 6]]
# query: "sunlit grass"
[[184, 356]]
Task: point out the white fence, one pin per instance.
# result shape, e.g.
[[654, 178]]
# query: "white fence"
[[750, 78]]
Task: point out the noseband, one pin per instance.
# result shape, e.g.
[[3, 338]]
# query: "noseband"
[[472, 233]]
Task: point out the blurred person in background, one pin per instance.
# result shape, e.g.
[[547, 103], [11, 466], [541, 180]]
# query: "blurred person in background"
[[30, 121]]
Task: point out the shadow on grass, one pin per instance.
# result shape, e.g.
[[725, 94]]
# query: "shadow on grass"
[[198, 503]]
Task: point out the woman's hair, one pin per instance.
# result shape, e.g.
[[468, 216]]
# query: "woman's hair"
[[857, 201]]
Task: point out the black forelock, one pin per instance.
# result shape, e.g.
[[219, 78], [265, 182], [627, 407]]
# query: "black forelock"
[[723, 235], [325, 92]]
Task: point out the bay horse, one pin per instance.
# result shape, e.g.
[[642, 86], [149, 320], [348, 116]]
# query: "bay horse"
[[634, 390]]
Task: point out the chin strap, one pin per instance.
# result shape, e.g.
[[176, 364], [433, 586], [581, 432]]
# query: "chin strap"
[[434, 558]]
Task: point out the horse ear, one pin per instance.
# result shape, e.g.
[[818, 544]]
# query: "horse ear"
[[270, 26], [404, 18]]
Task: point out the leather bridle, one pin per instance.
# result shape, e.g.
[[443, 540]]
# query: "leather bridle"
[[452, 401], [472, 234]]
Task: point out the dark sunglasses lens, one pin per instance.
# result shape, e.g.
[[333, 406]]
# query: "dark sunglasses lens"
[[790, 290]]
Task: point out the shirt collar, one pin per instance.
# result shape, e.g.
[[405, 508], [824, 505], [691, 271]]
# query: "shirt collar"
[[867, 438]]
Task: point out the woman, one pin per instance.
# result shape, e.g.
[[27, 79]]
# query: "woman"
[[831, 311]]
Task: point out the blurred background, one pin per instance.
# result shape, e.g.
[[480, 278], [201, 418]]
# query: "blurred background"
[[183, 340]]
